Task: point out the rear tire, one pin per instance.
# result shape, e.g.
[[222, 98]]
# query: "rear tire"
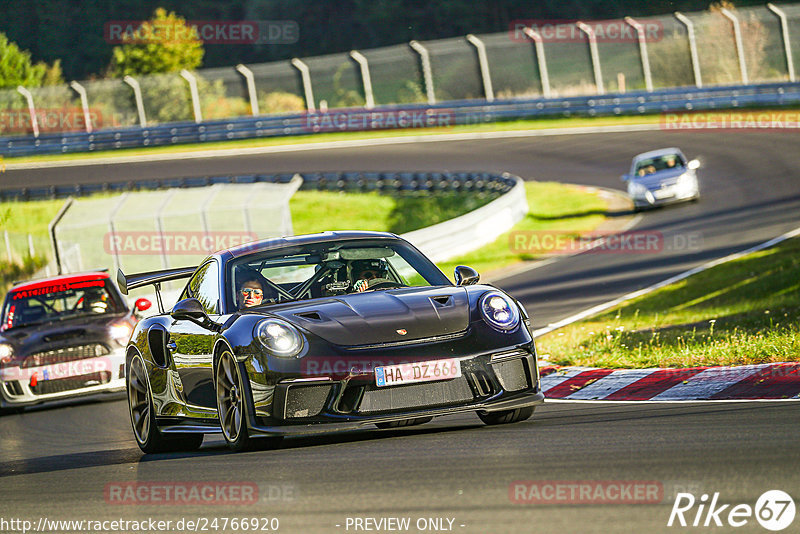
[[140, 406], [506, 416], [405, 422]]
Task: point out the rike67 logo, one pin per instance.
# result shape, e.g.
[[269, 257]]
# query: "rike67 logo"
[[774, 510]]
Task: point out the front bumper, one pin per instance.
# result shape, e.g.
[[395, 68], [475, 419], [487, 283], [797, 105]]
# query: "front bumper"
[[664, 196], [26, 386], [489, 383]]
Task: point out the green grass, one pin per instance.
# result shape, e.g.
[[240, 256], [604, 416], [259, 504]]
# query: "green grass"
[[553, 207], [742, 312], [318, 211]]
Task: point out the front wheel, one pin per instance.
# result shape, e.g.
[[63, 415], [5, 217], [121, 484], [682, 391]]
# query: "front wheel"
[[506, 416], [145, 430], [231, 407]]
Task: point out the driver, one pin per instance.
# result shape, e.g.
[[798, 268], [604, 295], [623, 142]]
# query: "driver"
[[250, 293], [94, 300], [368, 272]]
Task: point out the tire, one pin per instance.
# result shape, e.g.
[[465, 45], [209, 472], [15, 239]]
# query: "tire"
[[231, 403], [506, 416], [140, 407], [11, 411], [405, 422]]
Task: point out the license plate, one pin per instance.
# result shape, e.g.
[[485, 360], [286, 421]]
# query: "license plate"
[[410, 373]]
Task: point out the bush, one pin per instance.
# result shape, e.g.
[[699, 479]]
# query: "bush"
[[280, 102], [14, 272]]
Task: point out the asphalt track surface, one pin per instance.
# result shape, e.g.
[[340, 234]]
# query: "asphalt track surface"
[[57, 462]]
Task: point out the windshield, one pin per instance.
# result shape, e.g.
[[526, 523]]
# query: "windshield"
[[59, 301], [659, 163], [327, 270]]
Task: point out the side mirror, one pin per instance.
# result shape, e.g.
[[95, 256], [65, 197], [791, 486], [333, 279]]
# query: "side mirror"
[[625, 177], [694, 164], [190, 309], [142, 305], [466, 276]]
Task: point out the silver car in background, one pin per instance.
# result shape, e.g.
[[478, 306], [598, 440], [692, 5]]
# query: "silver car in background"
[[662, 177]]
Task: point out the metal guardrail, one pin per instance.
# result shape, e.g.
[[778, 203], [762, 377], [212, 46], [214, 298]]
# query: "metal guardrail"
[[388, 117], [383, 182]]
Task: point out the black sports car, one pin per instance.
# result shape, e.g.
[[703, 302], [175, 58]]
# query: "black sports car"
[[63, 336], [324, 332]]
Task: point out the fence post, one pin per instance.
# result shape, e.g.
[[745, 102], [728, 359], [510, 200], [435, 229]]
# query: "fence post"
[[427, 72], [31, 109], [366, 79], [305, 74], [737, 36], [31, 250], [540, 58], [483, 63], [87, 117], [698, 80], [113, 230], [787, 46], [137, 96], [51, 228], [8, 247], [191, 79], [640, 34], [251, 87], [598, 75], [160, 226]]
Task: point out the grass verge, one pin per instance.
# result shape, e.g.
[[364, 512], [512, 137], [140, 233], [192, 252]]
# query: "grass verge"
[[529, 124], [553, 206], [745, 311], [534, 124]]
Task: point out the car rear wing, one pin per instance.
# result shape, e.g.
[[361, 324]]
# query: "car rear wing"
[[154, 278]]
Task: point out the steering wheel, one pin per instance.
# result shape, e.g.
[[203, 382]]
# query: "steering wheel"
[[386, 284]]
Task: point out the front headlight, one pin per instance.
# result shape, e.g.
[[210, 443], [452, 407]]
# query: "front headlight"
[[279, 337], [120, 332], [499, 311], [6, 352]]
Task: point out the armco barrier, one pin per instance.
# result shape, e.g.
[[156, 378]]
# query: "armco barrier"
[[457, 113], [382, 182]]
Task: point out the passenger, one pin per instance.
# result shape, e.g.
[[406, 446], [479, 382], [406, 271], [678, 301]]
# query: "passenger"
[[672, 161], [251, 292]]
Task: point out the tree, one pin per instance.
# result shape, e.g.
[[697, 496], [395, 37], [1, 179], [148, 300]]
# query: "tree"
[[16, 67], [163, 44]]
